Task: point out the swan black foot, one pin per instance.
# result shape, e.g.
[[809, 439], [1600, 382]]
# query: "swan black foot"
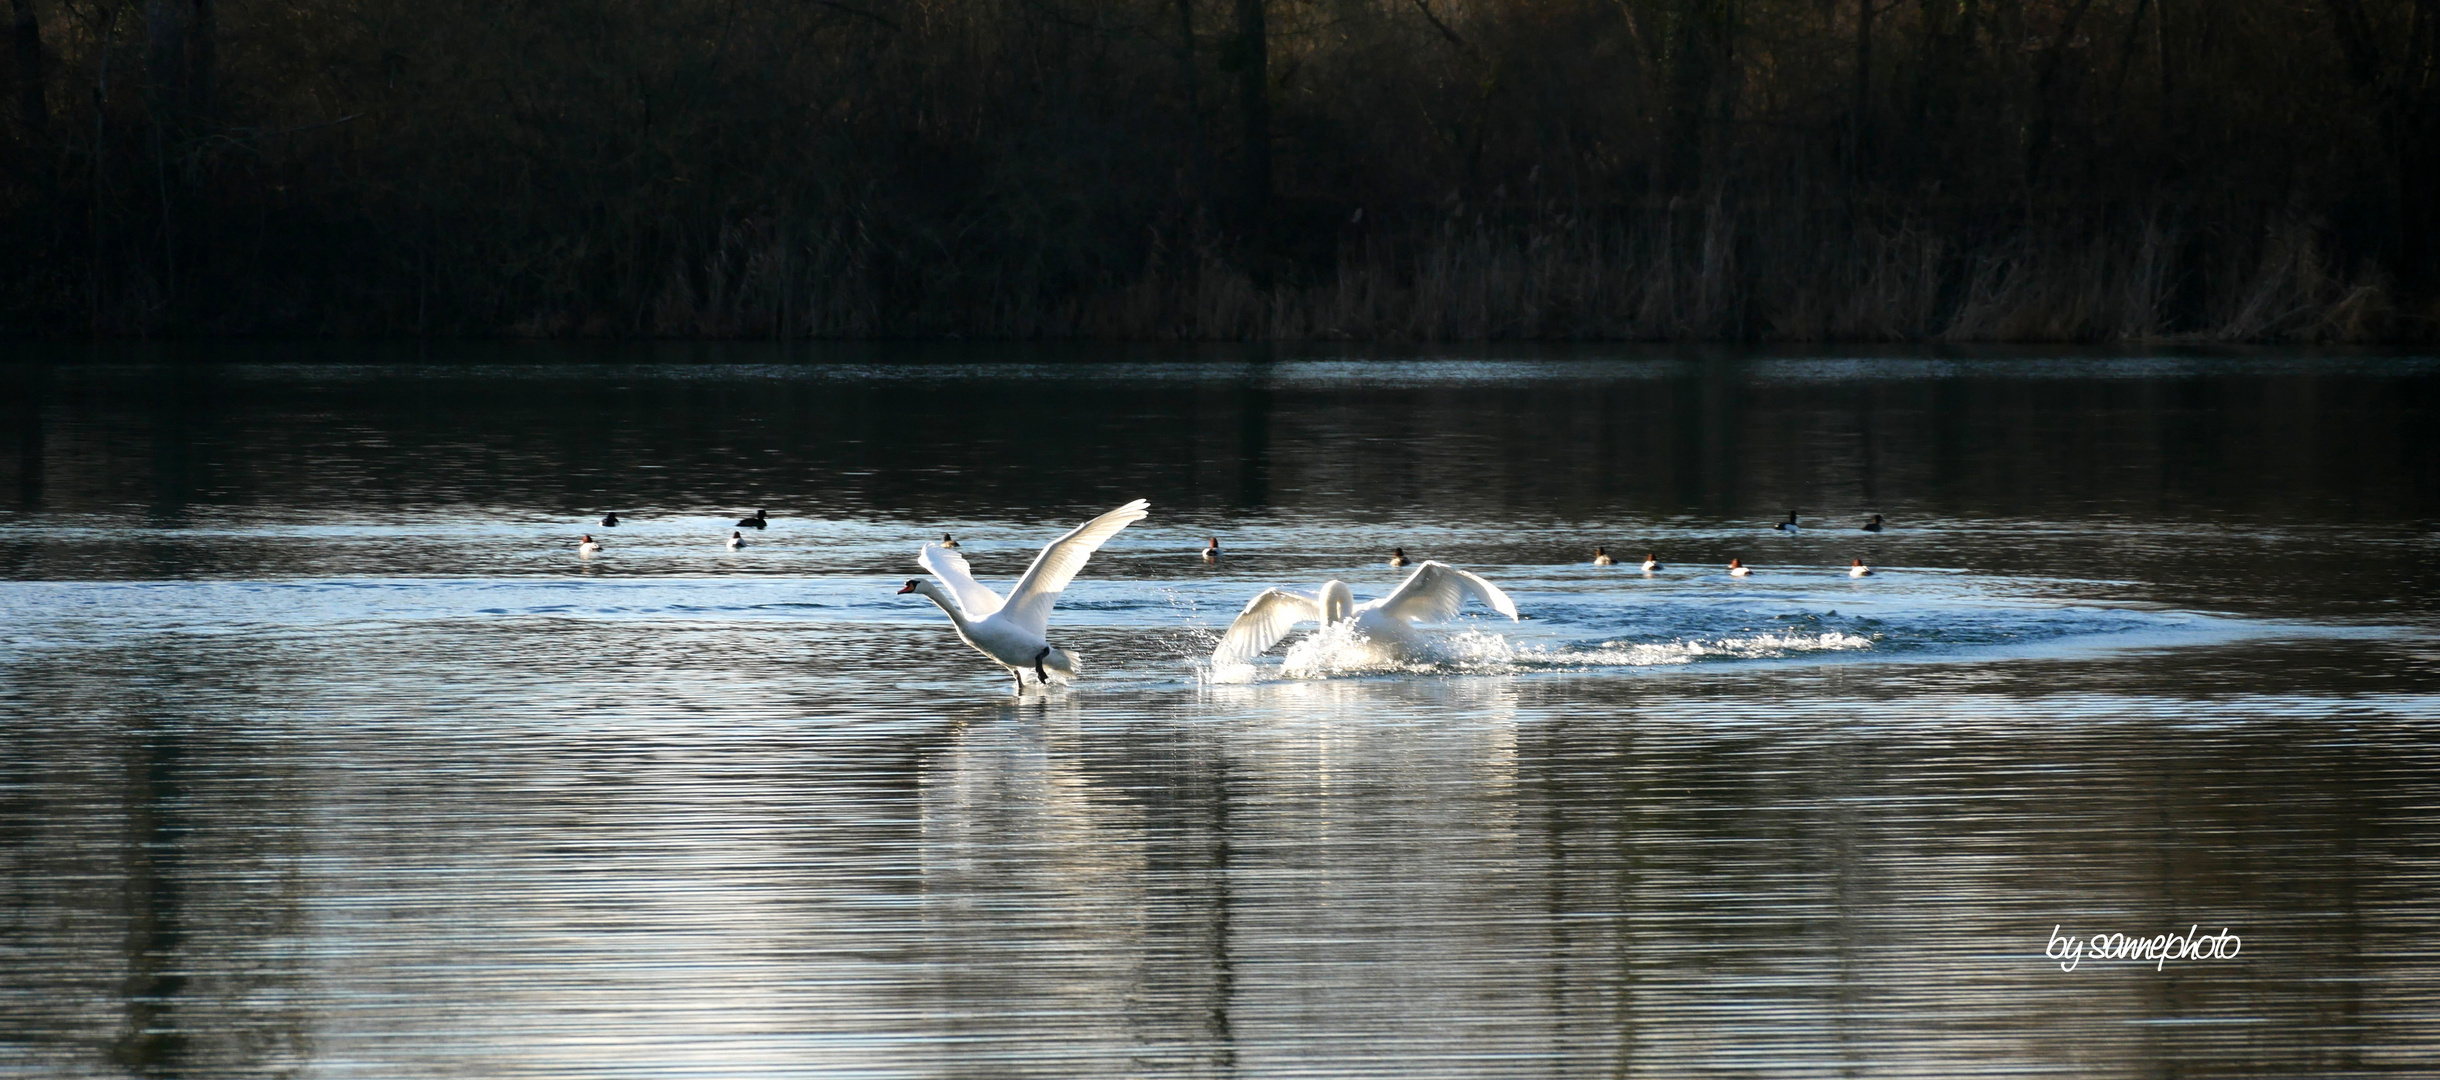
[[1038, 672]]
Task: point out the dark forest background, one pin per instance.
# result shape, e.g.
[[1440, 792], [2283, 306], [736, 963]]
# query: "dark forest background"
[[1871, 170]]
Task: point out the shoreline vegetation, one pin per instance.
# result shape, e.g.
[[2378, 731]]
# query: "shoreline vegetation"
[[1871, 171]]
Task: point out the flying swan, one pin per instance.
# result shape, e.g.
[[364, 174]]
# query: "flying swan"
[[1433, 593], [1011, 632]]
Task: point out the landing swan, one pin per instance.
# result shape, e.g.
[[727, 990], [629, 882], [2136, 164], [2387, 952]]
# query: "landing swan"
[[1433, 593], [1012, 632]]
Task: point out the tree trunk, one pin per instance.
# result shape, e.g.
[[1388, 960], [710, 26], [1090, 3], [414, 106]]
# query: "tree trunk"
[[32, 110], [1254, 97]]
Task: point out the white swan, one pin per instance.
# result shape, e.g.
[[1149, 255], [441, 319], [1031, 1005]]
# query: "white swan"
[[1858, 569], [736, 540], [588, 547], [1433, 593], [1012, 632]]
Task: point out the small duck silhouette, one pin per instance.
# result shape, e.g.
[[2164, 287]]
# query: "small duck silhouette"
[[1397, 556], [760, 520], [609, 521], [948, 541], [1788, 526], [1874, 525]]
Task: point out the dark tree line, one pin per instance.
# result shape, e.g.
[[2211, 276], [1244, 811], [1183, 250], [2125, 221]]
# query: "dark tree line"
[[1411, 169]]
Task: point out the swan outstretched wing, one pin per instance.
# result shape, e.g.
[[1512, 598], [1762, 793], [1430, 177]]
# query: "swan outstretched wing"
[[1029, 604], [1267, 618], [1435, 591], [973, 596]]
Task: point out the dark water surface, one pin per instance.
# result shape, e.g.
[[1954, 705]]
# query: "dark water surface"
[[326, 755]]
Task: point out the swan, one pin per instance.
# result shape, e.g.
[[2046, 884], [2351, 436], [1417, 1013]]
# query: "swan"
[[1788, 526], [609, 521], [1433, 593], [1211, 551], [1738, 569], [1652, 562], [1011, 632], [588, 547], [1601, 556], [1397, 556], [1858, 569], [948, 541], [760, 520], [736, 540], [1874, 525]]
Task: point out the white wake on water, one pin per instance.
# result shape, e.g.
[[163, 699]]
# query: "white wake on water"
[[1340, 651]]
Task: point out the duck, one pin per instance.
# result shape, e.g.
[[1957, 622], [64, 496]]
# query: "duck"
[[1858, 569], [1739, 569], [609, 521], [588, 547], [948, 541], [1788, 526], [760, 520], [1433, 593], [1873, 525], [1601, 556], [736, 540], [1397, 556], [1652, 562], [1013, 632], [1211, 550]]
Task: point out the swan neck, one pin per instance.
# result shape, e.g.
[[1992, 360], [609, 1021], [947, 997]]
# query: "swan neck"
[[933, 594]]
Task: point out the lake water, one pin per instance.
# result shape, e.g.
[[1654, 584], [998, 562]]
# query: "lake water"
[[326, 755]]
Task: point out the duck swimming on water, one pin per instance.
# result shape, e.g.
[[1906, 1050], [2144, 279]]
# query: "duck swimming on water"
[[1738, 569], [1601, 556], [1652, 562], [1397, 556], [760, 520], [1858, 569], [588, 547], [1874, 525], [736, 540], [1788, 526], [610, 521], [1211, 551]]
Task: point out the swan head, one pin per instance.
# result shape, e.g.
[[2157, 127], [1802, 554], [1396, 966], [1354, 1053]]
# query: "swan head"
[[1338, 602], [914, 585]]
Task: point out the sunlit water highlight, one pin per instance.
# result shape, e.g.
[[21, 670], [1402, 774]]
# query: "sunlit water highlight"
[[327, 756]]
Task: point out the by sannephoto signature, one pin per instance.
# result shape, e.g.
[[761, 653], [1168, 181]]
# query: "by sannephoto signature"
[[2070, 950]]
